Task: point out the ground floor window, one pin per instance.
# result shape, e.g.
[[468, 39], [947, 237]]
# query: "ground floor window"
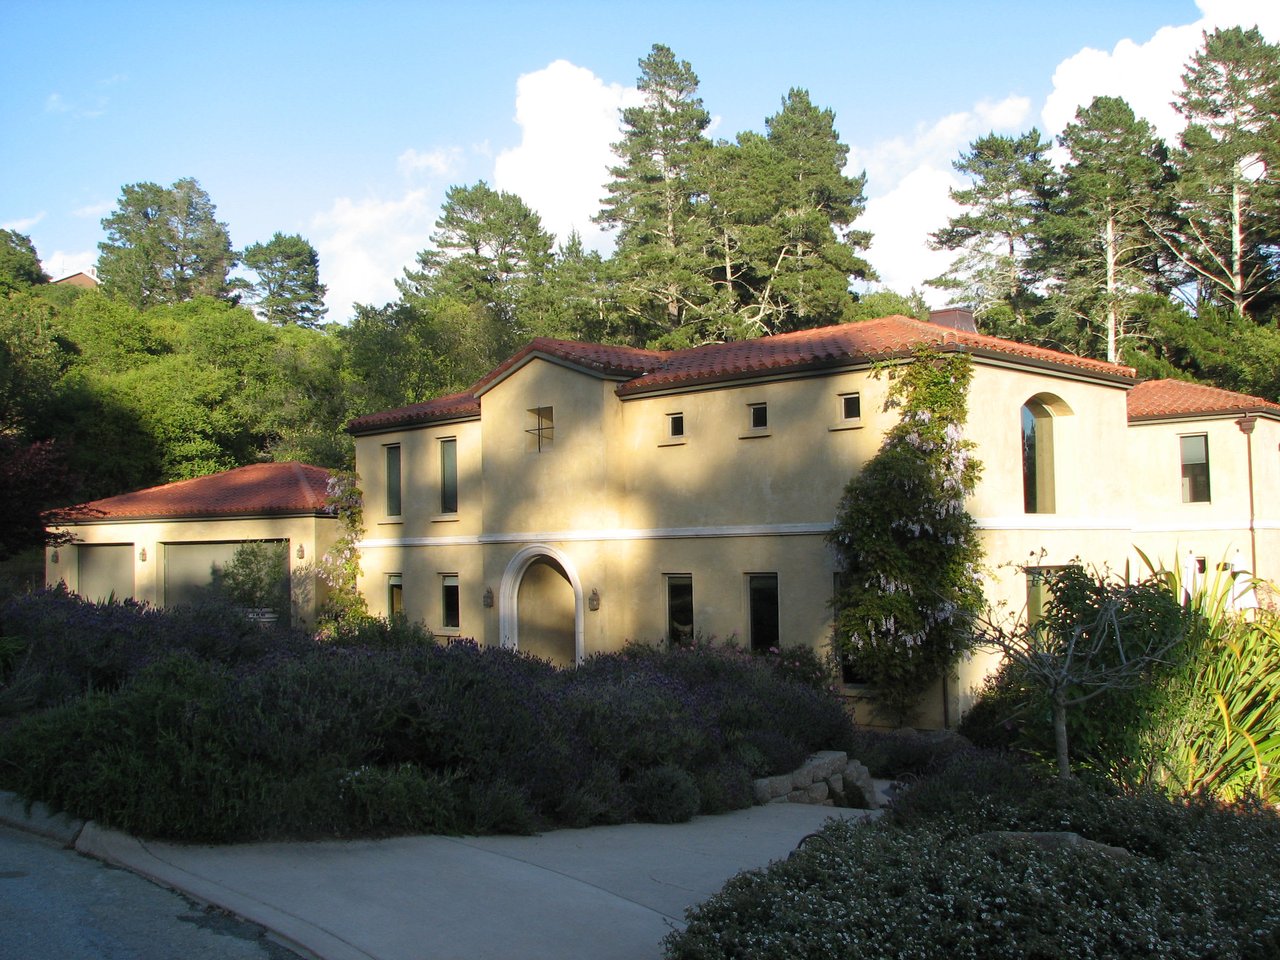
[[679, 608], [762, 598], [450, 608], [395, 594]]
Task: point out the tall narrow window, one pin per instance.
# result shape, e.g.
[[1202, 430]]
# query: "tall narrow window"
[[1037, 458], [393, 480], [449, 475], [395, 594], [679, 608], [450, 607], [1195, 468], [542, 428], [762, 596]]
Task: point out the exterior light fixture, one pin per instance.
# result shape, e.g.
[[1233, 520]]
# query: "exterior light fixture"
[[53, 557], [302, 551], [142, 555], [593, 601], [488, 597]]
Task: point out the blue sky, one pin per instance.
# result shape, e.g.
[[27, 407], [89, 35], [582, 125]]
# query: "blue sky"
[[347, 122]]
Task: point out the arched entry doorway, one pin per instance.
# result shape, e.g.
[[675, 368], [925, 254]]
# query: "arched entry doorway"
[[540, 607]]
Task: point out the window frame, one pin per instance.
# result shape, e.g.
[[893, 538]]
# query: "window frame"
[[675, 425], [448, 475], [686, 635], [771, 638], [542, 433], [1039, 494], [449, 583], [393, 486], [395, 594], [1190, 482]]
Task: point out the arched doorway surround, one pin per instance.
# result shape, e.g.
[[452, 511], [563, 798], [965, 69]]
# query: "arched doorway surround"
[[509, 595]]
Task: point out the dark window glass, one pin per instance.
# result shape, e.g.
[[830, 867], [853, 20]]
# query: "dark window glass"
[[759, 416], [762, 590], [679, 608], [448, 476], [852, 406], [450, 610], [393, 481], [676, 424]]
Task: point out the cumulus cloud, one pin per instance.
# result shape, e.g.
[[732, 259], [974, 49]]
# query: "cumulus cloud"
[[1148, 74], [568, 118], [908, 184], [61, 263], [94, 211], [364, 245]]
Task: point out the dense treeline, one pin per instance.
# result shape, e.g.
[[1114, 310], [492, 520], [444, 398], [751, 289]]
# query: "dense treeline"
[[181, 364]]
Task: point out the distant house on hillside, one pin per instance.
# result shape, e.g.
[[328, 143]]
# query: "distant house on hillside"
[[87, 279], [164, 544]]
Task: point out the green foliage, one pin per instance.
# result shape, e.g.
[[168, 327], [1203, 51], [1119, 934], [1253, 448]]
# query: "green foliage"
[[19, 264], [665, 794], [907, 545], [344, 607], [257, 578], [288, 288], [929, 885], [164, 245]]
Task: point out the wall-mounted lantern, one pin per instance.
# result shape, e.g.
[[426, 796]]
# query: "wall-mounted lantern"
[[488, 597], [593, 601], [142, 555], [302, 552], [53, 557]]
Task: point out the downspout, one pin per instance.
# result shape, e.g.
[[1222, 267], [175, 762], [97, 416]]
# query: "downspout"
[[1246, 424]]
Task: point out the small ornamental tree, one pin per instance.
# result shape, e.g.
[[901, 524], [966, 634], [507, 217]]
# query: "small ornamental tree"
[[339, 568], [908, 546]]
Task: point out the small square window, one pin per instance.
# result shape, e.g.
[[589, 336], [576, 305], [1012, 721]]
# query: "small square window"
[[675, 425], [450, 607], [542, 429], [759, 415], [850, 406]]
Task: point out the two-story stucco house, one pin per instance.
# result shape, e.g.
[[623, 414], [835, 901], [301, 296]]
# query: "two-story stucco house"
[[581, 495]]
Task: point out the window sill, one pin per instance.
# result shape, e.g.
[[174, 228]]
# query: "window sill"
[[674, 442], [391, 522], [752, 434], [447, 632], [851, 425], [445, 518]]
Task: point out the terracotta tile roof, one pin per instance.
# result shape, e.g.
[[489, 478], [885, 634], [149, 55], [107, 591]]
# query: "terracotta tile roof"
[[649, 370], [867, 340], [1171, 399], [452, 407], [259, 489]]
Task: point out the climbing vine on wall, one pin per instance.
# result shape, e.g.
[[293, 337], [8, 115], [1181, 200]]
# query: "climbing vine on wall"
[[908, 546], [339, 568]]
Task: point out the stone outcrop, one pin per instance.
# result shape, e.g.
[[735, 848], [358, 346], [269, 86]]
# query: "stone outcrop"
[[828, 777]]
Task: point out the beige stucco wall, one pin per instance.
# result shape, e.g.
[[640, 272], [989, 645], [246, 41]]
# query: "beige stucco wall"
[[620, 504], [148, 538]]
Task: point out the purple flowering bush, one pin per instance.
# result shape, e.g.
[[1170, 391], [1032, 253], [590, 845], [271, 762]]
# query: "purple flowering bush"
[[169, 725]]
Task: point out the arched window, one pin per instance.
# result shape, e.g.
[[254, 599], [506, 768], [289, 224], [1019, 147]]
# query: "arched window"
[[1037, 457]]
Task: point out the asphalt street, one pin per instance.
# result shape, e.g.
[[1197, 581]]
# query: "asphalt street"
[[58, 905]]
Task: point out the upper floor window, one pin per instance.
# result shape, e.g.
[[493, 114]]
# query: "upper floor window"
[[1195, 468], [1037, 458], [850, 406], [449, 475], [759, 416], [675, 425], [542, 428], [393, 479]]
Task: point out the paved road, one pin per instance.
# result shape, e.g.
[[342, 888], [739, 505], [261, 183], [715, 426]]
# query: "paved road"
[[58, 905]]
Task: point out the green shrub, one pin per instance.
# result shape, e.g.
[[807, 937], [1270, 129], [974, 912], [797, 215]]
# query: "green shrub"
[[898, 754], [665, 794]]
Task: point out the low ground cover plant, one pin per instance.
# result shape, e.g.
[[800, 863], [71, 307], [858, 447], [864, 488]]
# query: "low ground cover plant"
[[231, 732], [931, 880]]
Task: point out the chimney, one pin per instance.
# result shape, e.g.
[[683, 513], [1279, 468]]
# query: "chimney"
[[958, 318]]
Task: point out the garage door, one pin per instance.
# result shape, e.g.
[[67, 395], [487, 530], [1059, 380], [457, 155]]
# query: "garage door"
[[105, 570], [189, 569]]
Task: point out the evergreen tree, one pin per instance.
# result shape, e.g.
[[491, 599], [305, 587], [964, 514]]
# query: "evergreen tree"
[[994, 272], [1226, 227], [655, 201], [164, 245], [288, 288], [19, 265], [1094, 241]]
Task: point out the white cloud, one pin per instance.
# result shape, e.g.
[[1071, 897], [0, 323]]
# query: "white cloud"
[[23, 224], [364, 246], [440, 162], [61, 264], [94, 211], [908, 184], [569, 119], [1148, 74]]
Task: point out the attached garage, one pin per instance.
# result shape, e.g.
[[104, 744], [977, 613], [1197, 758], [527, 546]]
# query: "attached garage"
[[163, 545]]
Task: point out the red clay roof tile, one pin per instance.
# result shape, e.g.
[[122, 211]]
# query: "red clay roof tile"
[[1170, 399], [452, 407], [259, 489]]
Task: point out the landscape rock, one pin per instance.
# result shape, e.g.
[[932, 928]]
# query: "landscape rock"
[[859, 789]]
